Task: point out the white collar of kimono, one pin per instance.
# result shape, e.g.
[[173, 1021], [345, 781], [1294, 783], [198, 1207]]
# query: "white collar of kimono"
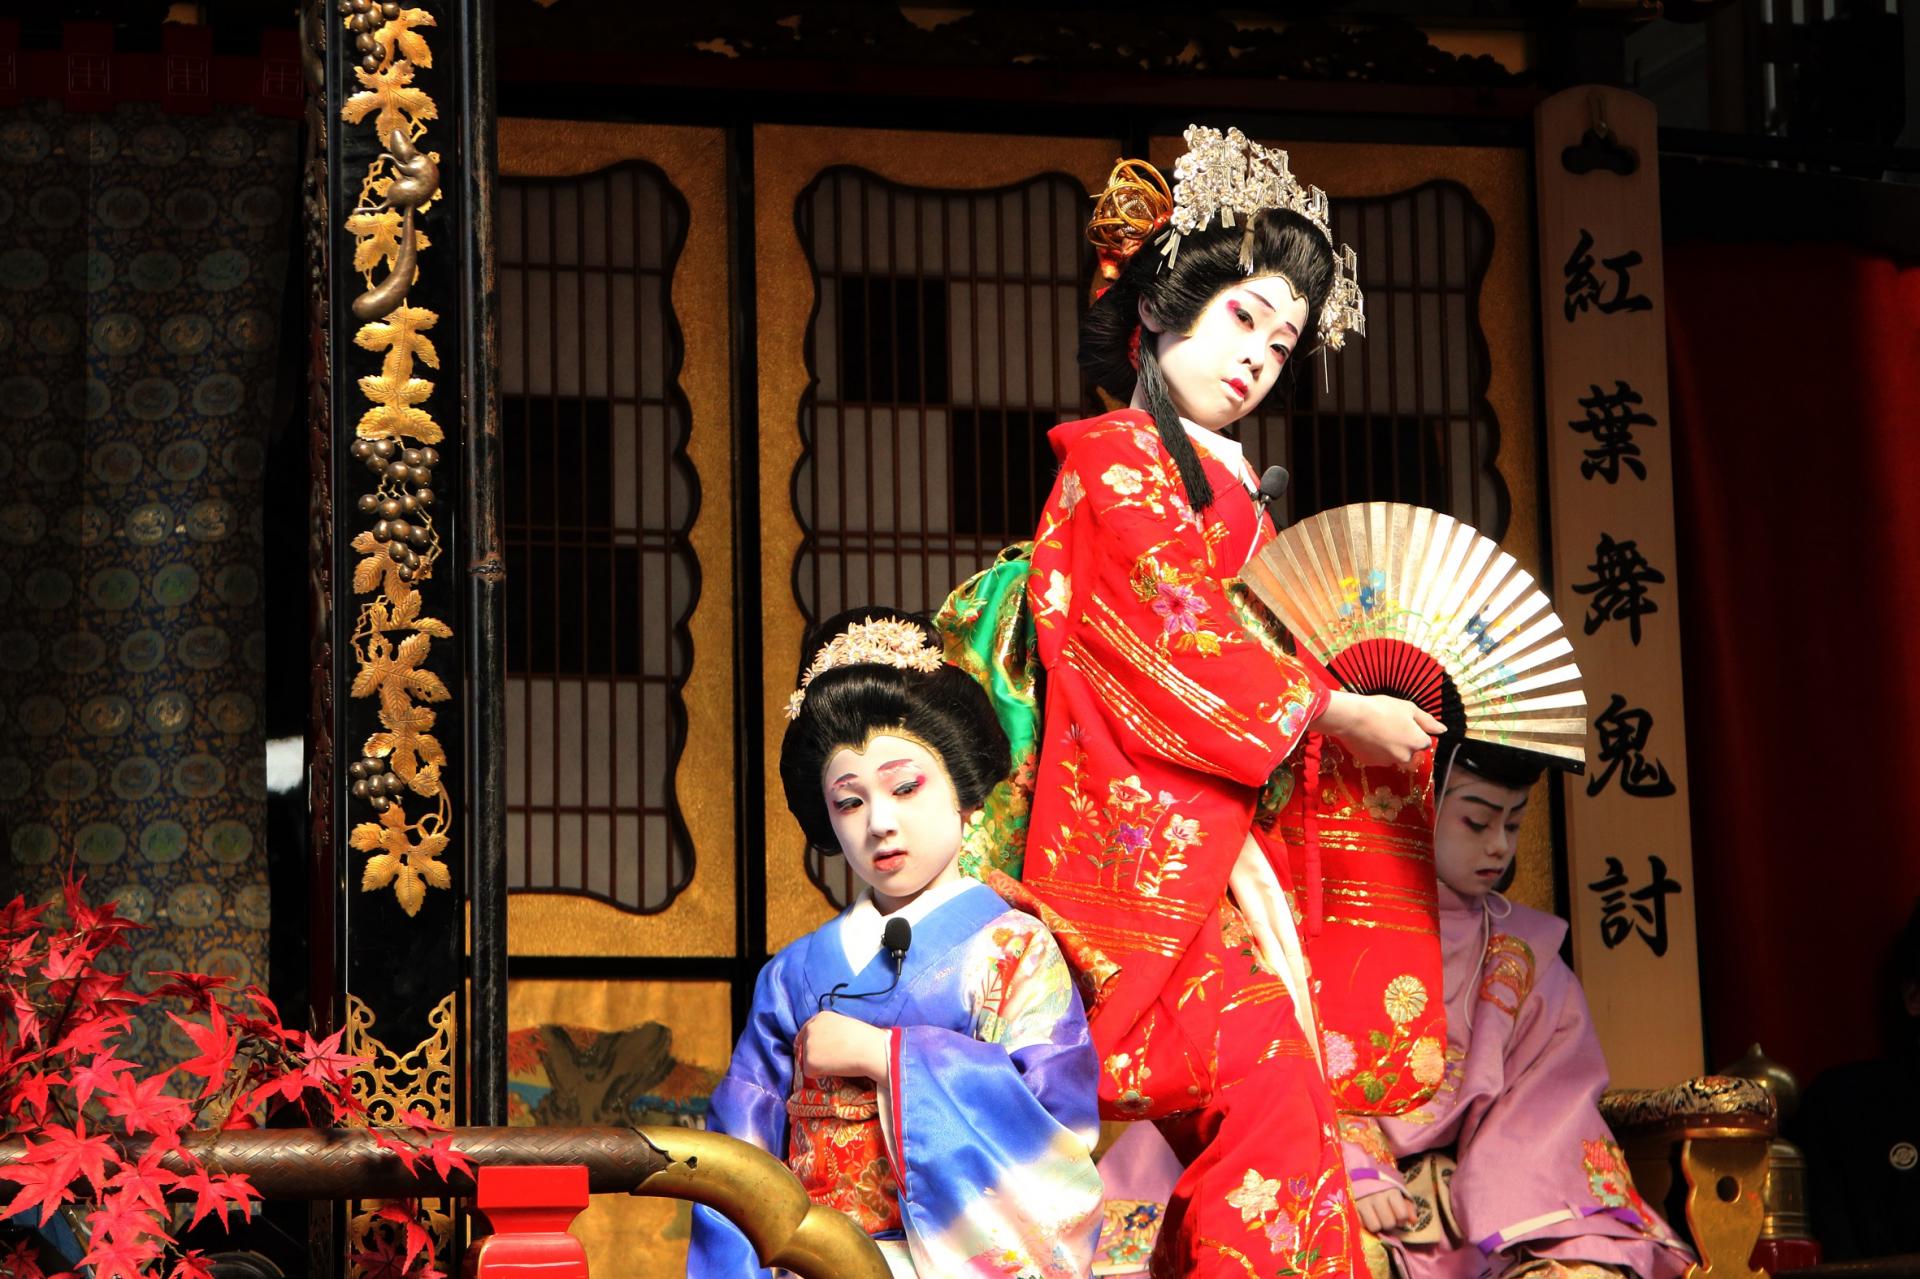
[[1225, 450], [861, 926]]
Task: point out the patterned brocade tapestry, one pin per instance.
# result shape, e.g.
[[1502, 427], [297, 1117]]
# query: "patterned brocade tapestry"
[[143, 260]]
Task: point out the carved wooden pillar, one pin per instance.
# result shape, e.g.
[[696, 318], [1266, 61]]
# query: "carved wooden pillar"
[[407, 930]]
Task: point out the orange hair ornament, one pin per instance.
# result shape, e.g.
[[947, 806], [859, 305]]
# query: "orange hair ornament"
[[1135, 204]]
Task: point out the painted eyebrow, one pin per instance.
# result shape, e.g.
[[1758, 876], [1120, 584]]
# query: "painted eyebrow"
[[1286, 324], [1487, 803], [891, 765]]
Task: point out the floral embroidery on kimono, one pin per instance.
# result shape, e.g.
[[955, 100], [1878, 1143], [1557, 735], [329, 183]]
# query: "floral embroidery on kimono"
[[1538, 1173], [977, 1159]]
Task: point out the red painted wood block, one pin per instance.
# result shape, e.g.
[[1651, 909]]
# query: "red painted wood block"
[[529, 1209]]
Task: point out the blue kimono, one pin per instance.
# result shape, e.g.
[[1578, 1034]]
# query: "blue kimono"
[[976, 1159]]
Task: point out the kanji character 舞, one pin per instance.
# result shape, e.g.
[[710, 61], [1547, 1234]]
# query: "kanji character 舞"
[[1621, 579]]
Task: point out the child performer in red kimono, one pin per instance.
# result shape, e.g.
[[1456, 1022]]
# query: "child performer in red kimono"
[[1164, 719], [1509, 1170]]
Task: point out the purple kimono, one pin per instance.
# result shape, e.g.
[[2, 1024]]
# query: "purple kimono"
[[1538, 1174]]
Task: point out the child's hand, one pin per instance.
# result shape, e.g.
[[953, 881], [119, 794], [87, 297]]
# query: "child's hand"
[[1378, 729], [834, 1044], [1385, 1211]]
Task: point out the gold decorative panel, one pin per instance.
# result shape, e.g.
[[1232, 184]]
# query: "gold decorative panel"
[[697, 919], [788, 162]]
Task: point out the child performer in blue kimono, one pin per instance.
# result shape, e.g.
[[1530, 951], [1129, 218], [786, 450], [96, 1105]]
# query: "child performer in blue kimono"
[[936, 1084]]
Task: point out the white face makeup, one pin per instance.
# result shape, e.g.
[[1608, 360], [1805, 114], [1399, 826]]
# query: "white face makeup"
[[1221, 370], [1477, 834], [896, 816]]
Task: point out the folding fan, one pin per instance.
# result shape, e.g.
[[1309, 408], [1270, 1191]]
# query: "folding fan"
[[1398, 599]]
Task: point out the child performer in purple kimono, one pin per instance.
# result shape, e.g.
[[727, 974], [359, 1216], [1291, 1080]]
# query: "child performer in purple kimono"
[[1509, 1170], [937, 1084]]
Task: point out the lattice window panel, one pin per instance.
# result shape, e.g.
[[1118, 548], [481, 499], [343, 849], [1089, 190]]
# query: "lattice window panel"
[[1401, 414], [599, 500], [943, 345]]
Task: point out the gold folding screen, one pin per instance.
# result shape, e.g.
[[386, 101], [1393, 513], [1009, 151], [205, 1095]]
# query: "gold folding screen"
[[968, 247], [616, 390]]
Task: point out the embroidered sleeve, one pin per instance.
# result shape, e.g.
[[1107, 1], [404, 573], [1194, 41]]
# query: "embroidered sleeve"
[[1149, 624]]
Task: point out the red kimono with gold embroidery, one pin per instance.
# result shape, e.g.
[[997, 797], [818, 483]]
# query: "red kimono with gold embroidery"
[[1163, 720], [1163, 717]]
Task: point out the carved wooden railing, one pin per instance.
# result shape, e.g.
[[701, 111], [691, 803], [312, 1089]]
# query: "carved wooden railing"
[[742, 1182]]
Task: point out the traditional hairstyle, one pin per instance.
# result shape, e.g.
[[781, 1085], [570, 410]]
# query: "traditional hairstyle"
[[1278, 242], [1501, 765], [847, 705]]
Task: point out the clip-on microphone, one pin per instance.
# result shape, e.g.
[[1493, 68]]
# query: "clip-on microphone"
[[1273, 483], [896, 938]]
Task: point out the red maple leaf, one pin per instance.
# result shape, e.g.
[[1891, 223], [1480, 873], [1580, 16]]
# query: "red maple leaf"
[[322, 1063], [193, 1264], [144, 1182], [145, 1106], [196, 988], [91, 920], [382, 1261], [408, 1153], [218, 1191], [26, 1016], [38, 1189], [445, 1158], [264, 1022], [17, 916], [89, 1033], [102, 1072], [288, 1086], [20, 954], [217, 1045], [64, 962], [31, 1091], [21, 1261], [70, 1152], [122, 1219], [121, 1259], [405, 1213], [102, 987]]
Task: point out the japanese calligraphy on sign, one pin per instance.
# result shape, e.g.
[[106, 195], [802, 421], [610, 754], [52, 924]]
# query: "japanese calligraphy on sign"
[[1623, 733], [1610, 419], [1586, 290], [1621, 579], [1615, 567], [1649, 902]]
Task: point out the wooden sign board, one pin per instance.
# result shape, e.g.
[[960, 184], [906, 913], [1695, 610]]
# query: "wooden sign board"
[[1616, 582]]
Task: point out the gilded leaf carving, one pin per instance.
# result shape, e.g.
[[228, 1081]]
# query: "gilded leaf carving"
[[392, 639]]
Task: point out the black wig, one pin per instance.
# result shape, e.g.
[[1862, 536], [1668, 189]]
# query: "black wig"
[[850, 705], [1489, 761], [1208, 263]]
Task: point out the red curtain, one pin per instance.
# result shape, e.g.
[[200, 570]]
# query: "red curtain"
[[1796, 432]]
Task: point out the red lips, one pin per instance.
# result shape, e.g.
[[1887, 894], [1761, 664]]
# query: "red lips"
[[1239, 387]]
